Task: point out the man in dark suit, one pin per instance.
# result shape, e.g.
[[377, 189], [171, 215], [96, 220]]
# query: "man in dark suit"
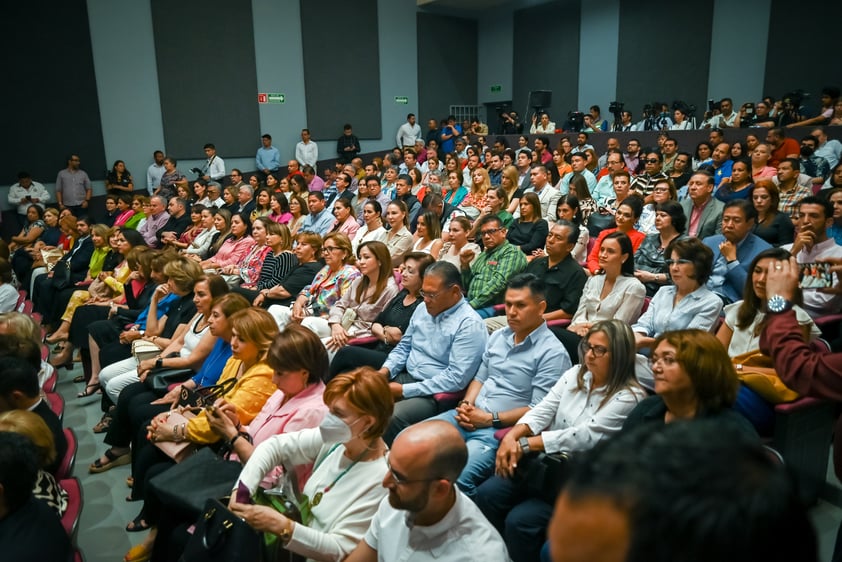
[[733, 250], [50, 300], [19, 388], [702, 210]]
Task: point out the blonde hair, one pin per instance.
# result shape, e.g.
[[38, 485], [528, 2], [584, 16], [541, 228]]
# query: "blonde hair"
[[34, 428]]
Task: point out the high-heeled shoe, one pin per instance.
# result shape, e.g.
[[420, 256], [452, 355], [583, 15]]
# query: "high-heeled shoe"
[[63, 359], [51, 339], [138, 553]]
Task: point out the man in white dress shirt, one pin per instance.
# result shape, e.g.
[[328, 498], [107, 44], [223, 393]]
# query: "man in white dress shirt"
[[408, 133], [425, 517], [307, 151], [214, 168]]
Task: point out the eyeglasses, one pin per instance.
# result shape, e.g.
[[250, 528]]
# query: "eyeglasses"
[[666, 360], [490, 231], [431, 296], [400, 480], [677, 262], [660, 190], [597, 350], [327, 250], [651, 160]]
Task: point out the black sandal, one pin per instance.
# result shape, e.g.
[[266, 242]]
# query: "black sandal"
[[137, 524], [103, 424], [88, 392], [79, 378]]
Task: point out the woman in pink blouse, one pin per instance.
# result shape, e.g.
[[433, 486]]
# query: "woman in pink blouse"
[[345, 222], [235, 247], [247, 272], [279, 208]]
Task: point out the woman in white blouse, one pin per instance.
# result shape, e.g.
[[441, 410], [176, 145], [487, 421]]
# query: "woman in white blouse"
[[685, 304], [614, 293], [349, 456], [589, 403], [202, 242], [372, 229]]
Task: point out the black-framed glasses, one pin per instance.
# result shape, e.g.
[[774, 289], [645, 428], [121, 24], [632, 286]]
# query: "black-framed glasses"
[[490, 231], [597, 350], [400, 480], [651, 160], [680, 261], [327, 250]]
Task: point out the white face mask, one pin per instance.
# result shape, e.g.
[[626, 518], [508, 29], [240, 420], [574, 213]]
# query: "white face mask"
[[334, 430]]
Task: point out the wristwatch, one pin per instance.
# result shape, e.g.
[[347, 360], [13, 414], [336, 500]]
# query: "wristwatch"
[[524, 444], [495, 421], [777, 304], [159, 362]]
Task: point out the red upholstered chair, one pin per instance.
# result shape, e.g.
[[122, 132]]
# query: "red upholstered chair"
[[56, 404], [71, 516], [49, 384], [65, 469]]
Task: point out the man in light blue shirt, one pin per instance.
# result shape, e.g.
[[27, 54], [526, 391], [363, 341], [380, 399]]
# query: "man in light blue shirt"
[[521, 363], [319, 220], [155, 172], [268, 157], [439, 353], [578, 162]]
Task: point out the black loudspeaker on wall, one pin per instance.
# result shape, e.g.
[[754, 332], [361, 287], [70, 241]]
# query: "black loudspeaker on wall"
[[541, 98]]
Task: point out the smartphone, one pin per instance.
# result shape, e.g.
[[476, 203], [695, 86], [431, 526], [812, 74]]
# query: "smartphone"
[[243, 494], [815, 276]]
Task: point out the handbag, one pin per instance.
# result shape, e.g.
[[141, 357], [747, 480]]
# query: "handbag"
[[61, 275], [597, 222], [542, 475], [221, 536], [178, 451], [144, 349], [757, 372], [203, 476], [206, 395], [160, 380]]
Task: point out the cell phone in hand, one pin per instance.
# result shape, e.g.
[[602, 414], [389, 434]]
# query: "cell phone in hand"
[[243, 494], [815, 276]]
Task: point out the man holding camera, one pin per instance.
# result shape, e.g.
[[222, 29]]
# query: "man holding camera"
[[27, 192]]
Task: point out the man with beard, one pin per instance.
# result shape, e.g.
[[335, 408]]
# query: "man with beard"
[[425, 516]]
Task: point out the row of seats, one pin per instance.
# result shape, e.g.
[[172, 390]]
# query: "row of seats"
[[64, 474]]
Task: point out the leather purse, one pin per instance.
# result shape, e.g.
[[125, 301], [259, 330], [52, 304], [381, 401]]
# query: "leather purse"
[[221, 536], [542, 475], [203, 476]]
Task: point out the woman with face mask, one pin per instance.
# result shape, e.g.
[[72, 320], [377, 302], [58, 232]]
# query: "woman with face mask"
[[348, 454]]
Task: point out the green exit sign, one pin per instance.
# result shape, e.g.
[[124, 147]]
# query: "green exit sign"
[[496, 88], [403, 100], [275, 98]]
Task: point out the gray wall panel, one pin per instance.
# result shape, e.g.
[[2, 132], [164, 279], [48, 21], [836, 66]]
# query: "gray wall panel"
[[341, 67], [447, 68], [546, 57], [49, 98], [802, 62], [664, 52], [207, 76]]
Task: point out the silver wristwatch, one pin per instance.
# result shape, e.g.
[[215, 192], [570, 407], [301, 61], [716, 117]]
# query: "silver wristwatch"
[[777, 304], [524, 444]]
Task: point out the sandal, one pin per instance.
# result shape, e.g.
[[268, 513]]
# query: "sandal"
[[79, 378], [88, 392], [137, 524], [130, 481], [138, 553], [103, 424], [113, 460]]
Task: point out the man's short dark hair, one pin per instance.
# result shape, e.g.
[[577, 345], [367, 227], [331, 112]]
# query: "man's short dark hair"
[[545, 140], [653, 477], [404, 177], [432, 200], [656, 153], [346, 127], [24, 175], [488, 219], [729, 100], [408, 115], [18, 469], [17, 373], [796, 165], [596, 108], [210, 145], [267, 136], [584, 133], [581, 155], [810, 138], [447, 272], [572, 230], [537, 287], [541, 167], [708, 176], [317, 194], [308, 169], [749, 212], [778, 132], [825, 204]]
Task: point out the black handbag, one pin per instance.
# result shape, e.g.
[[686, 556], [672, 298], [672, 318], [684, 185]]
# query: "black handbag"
[[222, 536], [597, 222], [159, 380], [542, 475], [61, 275], [188, 485], [205, 395]]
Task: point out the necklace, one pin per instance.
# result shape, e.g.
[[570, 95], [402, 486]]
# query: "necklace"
[[317, 498]]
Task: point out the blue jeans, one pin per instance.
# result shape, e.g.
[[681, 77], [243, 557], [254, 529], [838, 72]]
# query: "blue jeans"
[[482, 450]]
